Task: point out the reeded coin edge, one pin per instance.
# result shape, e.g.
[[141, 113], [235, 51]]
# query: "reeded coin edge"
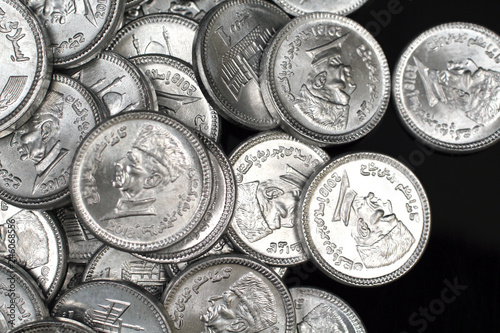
[[403, 112], [305, 223], [46, 325], [293, 10]]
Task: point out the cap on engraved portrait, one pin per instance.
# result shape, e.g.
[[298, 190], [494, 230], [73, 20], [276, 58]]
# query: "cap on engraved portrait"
[[52, 106], [326, 51], [322, 319]]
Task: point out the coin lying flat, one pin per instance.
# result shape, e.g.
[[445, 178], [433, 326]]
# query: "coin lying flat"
[[320, 311], [26, 64], [228, 49], [108, 306], [37, 157], [141, 181], [327, 78], [229, 294], [53, 325], [301, 7], [365, 219], [178, 92], [446, 87], [37, 245]]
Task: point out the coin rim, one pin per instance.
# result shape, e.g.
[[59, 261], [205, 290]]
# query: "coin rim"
[[293, 10]]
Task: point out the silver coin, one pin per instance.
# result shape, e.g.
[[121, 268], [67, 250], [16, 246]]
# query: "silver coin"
[[320, 311], [179, 95], [53, 325], [227, 51], [446, 87], [216, 218], [141, 181], [119, 84], [111, 306], [166, 34], [37, 157], [21, 301], [301, 7], [78, 30], [227, 294], [82, 244], [365, 219], [74, 275], [327, 78], [37, 245], [271, 170], [26, 63]]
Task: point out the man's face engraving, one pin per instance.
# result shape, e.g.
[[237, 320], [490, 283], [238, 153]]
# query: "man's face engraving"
[[222, 316], [131, 174]]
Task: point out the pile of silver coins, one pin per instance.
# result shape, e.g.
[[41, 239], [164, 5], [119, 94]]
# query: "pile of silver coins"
[[120, 211]]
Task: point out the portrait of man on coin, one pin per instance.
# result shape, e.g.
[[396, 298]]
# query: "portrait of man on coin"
[[247, 307], [154, 161], [326, 94], [380, 237], [322, 319], [38, 140]]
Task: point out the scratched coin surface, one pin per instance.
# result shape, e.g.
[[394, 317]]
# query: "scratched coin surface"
[[21, 301], [37, 157], [166, 34], [271, 170], [78, 30], [53, 325], [301, 7], [111, 306], [141, 181], [229, 294], [365, 219], [26, 62], [112, 264], [216, 218], [447, 87], [178, 92], [227, 52], [320, 311], [37, 244], [327, 78], [120, 85]]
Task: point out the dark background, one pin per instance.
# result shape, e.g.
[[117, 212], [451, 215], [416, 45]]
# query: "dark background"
[[464, 245]]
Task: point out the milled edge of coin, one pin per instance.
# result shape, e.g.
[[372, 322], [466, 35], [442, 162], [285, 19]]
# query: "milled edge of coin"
[[222, 224], [311, 186], [205, 78], [43, 73], [325, 139], [292, 10], [233, 157], [242, 260], [143, 295], [346, 309], [187, 69], [43, 326], [95, 228], [62, 197], [410, 126]]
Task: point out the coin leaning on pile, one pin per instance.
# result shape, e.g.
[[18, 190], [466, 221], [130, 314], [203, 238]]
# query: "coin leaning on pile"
[[120, 147]]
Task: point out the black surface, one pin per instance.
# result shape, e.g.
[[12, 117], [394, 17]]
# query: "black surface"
[[464, 246]]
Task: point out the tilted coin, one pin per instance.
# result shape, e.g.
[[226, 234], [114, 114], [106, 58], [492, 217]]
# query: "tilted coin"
[[227, 51], [82, 244], [26, 63], [320, 311], [271, 170], [301, 7], [53, 325], [141, 181], [446, 87], [110, 306], [166, 34], [78, 30], [21, 301], [112, 264], [35, 242], [120, 85], [327, 78], [216, 218], [74, 275], [178, 92], [229, 294], [37, 157], [365, 219]]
